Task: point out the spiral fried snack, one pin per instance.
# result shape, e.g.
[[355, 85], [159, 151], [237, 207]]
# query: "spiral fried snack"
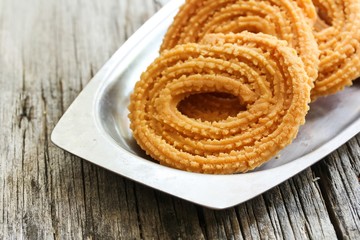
[[263, 73], [281, 18], [338, 35]]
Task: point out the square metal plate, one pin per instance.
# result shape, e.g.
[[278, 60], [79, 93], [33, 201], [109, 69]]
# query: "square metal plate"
[[96, 128]]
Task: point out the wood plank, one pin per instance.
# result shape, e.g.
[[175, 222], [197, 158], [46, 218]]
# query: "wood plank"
[[293, 210], [164, 217], [339, 176], [49, 51], [56, 194]]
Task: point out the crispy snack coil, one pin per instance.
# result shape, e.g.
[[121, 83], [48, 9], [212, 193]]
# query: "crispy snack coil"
[[309, 9], [266, 77], [338, 35], [281, 18]]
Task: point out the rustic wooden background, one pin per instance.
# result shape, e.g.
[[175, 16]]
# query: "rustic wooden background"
[[49, 50]]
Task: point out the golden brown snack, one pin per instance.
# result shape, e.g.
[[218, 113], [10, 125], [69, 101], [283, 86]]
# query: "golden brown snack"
[[309, 9], [263, 73], [281, 18], [338, 35]]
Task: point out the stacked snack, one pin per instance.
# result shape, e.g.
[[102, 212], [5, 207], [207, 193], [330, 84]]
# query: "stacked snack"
[[281, 18], [337, 32], [220, 99]]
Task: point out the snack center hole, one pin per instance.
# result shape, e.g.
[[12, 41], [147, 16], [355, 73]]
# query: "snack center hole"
[[215, 106], [324, 19]]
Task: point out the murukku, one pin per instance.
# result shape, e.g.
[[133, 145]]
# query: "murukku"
[[338, 35], [265, 76], [281, 18]]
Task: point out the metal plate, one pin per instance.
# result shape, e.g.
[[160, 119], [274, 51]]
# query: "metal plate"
[[96, 128]]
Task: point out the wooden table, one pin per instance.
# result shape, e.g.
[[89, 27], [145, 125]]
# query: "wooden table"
[[49, 50]]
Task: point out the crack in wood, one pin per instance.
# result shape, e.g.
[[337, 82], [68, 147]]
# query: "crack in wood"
[[25, 109]]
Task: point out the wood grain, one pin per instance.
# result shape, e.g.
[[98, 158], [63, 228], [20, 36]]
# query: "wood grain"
[[49, 51]]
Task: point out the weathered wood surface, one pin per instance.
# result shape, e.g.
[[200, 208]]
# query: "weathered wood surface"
[[49, 49]]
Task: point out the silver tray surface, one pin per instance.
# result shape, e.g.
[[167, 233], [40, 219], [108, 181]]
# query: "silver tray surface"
[[96, 128]]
